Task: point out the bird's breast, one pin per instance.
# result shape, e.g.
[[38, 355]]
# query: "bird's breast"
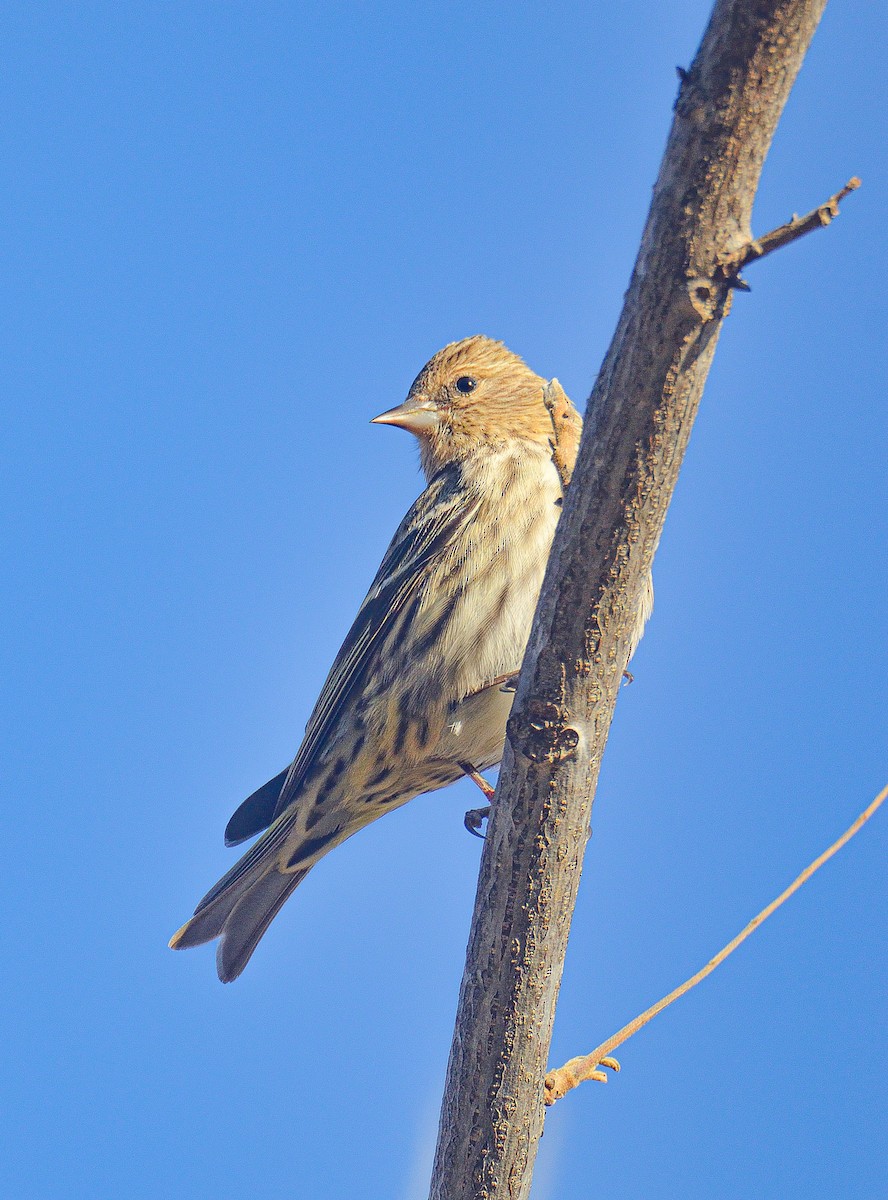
[[470, 624], [504, 571]]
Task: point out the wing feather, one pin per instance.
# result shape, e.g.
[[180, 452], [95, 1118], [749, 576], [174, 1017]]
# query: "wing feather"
[[434, 522]]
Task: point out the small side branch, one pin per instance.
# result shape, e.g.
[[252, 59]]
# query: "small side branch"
[[588, 1066], [784, 234]]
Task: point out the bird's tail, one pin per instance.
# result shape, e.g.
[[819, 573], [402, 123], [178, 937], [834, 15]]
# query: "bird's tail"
[[244, 902], [239, 917]]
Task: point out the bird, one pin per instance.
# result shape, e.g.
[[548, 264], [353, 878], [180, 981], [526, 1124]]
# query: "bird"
[[420, 692]]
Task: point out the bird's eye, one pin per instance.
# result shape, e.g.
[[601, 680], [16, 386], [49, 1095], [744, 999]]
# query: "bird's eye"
[[466, 384]]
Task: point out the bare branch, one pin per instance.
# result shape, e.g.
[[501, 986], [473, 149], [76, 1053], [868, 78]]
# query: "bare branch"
[[578, 1070], [818, 218], [636, 430]]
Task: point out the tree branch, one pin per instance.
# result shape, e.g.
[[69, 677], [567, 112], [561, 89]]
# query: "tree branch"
[[637, 427], [818, 218], [579, 1070]]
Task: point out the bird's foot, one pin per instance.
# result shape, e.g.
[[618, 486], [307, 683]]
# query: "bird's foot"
[[475, 818], [628, 678]]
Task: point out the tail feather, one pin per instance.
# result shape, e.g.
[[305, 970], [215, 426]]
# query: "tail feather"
[[239, 917], [206, 924], [257, 811], [243, 903], [217, 906], [249, 920]]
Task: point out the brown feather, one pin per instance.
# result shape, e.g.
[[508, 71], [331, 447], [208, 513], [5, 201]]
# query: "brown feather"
[[506, 404]]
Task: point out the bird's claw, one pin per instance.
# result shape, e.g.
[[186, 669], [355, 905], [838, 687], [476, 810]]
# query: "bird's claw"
[[628, 678], [475, 818], [510, 684]]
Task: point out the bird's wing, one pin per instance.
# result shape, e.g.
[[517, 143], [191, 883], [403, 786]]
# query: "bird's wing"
[[435, 521]]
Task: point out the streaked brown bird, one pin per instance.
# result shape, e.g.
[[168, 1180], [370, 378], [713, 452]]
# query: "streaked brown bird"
[[416, 695]]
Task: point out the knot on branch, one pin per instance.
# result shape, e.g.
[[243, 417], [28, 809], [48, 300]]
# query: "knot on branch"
[[542, 733], [692, 102], [706, 297]]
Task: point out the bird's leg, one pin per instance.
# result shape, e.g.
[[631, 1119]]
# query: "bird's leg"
[[487, 788], [628, 678], [476, 817]]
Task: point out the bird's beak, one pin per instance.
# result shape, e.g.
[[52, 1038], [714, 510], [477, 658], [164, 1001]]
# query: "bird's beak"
[[417, 415]]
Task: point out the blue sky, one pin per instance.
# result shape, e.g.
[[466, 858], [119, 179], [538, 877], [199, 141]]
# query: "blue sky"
[[232, 233]]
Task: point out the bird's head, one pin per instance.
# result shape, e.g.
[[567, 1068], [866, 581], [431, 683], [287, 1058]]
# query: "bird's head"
[[472, 395]]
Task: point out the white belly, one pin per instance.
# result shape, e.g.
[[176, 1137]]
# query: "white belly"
[[476, 731]]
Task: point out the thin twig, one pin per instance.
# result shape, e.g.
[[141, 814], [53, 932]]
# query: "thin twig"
[[577, 1070], [784, 234]]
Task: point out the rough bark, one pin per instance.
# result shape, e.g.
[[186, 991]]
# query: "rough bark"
[[637, 426]]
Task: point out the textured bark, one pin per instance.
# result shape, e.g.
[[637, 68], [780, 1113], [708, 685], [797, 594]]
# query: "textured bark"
[[637, 426]]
